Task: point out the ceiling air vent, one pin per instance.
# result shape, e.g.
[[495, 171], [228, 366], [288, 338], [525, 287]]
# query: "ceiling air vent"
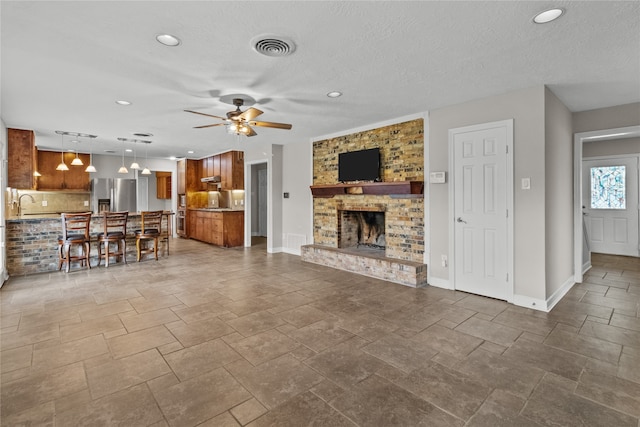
[[273, 46]]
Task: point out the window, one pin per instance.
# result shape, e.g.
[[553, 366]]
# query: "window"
[[608, 187]]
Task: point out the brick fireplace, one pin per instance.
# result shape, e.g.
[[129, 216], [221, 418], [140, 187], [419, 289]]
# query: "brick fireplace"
[[377, 235]]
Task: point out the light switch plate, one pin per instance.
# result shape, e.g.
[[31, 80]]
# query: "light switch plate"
[[44, 203], [86, 203], [526, 183]]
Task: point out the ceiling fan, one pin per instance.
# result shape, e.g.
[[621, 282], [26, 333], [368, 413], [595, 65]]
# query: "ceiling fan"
[[241, 122]]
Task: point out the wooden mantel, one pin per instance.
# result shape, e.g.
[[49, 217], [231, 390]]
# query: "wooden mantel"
[[403, 188]]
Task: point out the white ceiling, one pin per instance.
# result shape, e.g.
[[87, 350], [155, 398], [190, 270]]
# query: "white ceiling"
[[64, 64]]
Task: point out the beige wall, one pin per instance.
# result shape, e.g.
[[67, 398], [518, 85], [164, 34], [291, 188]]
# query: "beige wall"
[[614, 147], [607, 118], [559, 194], [526, 107]]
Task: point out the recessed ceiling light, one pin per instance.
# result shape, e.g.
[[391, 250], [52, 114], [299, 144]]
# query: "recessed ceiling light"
[[109, 151], [334, 94], [172, 157], [548, 16], [129, 150], [190, 152], [168, 40], [123, 103]]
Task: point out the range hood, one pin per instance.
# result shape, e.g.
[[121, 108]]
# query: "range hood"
[[212, 179]]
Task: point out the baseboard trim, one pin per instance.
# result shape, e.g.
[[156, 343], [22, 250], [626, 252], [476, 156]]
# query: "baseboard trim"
[[562, 291], [528, 302], [439, 283], [292, 251]]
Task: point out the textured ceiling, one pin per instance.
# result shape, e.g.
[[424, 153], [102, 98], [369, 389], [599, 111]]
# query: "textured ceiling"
[[64, 64]]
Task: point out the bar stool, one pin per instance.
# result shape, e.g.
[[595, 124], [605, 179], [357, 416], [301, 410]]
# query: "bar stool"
[[151, 223], [115, 231], [75, 231]]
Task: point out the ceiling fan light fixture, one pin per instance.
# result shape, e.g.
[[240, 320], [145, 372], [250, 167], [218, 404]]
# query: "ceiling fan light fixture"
[[548, 15]]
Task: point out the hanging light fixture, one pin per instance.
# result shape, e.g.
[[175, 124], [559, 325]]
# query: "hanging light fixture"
[[90, 168], [62, 166], [146, 170], [123, 168], [77, 161], [135, 164]]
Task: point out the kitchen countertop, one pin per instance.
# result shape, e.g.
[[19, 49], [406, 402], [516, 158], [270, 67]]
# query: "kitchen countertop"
[[215, 209], [56, 215]]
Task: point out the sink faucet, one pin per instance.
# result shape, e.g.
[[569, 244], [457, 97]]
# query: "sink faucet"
[[20, 201]]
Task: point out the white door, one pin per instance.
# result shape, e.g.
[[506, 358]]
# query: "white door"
[[482, 173], [610, 208]]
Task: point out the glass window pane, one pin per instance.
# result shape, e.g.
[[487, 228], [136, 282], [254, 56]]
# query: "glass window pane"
[[608, 187]]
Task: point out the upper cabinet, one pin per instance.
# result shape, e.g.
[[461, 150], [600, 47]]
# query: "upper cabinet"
[[22, 158], [163, 185], [232, 170], [73, 179], [182, 176], [229, 166]]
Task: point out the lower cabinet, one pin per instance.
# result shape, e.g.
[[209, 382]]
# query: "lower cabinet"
[[218, 228]]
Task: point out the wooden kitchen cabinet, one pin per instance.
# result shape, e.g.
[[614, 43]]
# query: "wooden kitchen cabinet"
[[218, 228], [163, 185], [182, 176], [73, 179], [232, 170], [22, 159]]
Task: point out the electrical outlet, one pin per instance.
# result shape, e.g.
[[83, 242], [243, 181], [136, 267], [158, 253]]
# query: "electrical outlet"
[[241, 202], [86, 203], [444, 260], [44, 203]]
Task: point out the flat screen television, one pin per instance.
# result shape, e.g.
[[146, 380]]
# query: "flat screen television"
[[362, 165]]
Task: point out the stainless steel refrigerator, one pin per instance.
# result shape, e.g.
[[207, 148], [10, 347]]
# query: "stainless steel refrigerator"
[[113, 194]]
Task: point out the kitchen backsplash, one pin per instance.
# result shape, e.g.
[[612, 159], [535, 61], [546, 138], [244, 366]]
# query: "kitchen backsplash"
[[46, 202]]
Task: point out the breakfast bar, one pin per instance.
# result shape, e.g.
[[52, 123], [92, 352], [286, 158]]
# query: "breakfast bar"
[[32, 241]]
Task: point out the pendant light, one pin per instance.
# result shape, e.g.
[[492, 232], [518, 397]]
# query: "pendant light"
[[135, 164], [62, 166], [77, 161], [146, 170], [90, 168], [123, 168]]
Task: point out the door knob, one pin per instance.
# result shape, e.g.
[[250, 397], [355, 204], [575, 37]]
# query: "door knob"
[[461, 220]]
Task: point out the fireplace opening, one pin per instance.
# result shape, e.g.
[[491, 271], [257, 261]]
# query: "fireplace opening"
[[362, 230]]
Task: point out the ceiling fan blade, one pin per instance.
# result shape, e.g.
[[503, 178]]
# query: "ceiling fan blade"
[[250, 114], [208, 115], [271, 125], [209, 126], [251, 132]]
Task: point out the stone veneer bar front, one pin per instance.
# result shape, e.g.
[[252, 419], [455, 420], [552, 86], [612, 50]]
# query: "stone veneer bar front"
[[32, 243]]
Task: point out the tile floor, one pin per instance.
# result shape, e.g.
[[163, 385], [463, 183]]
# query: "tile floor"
[[228, 337]]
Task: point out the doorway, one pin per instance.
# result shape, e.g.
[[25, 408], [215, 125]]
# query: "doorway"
[[581, 251], [481, 195], [610, 196], [258, 202]]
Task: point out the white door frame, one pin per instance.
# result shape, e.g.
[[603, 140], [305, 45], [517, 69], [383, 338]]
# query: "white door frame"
[[578, 139], [509, 202], [248, 202]]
